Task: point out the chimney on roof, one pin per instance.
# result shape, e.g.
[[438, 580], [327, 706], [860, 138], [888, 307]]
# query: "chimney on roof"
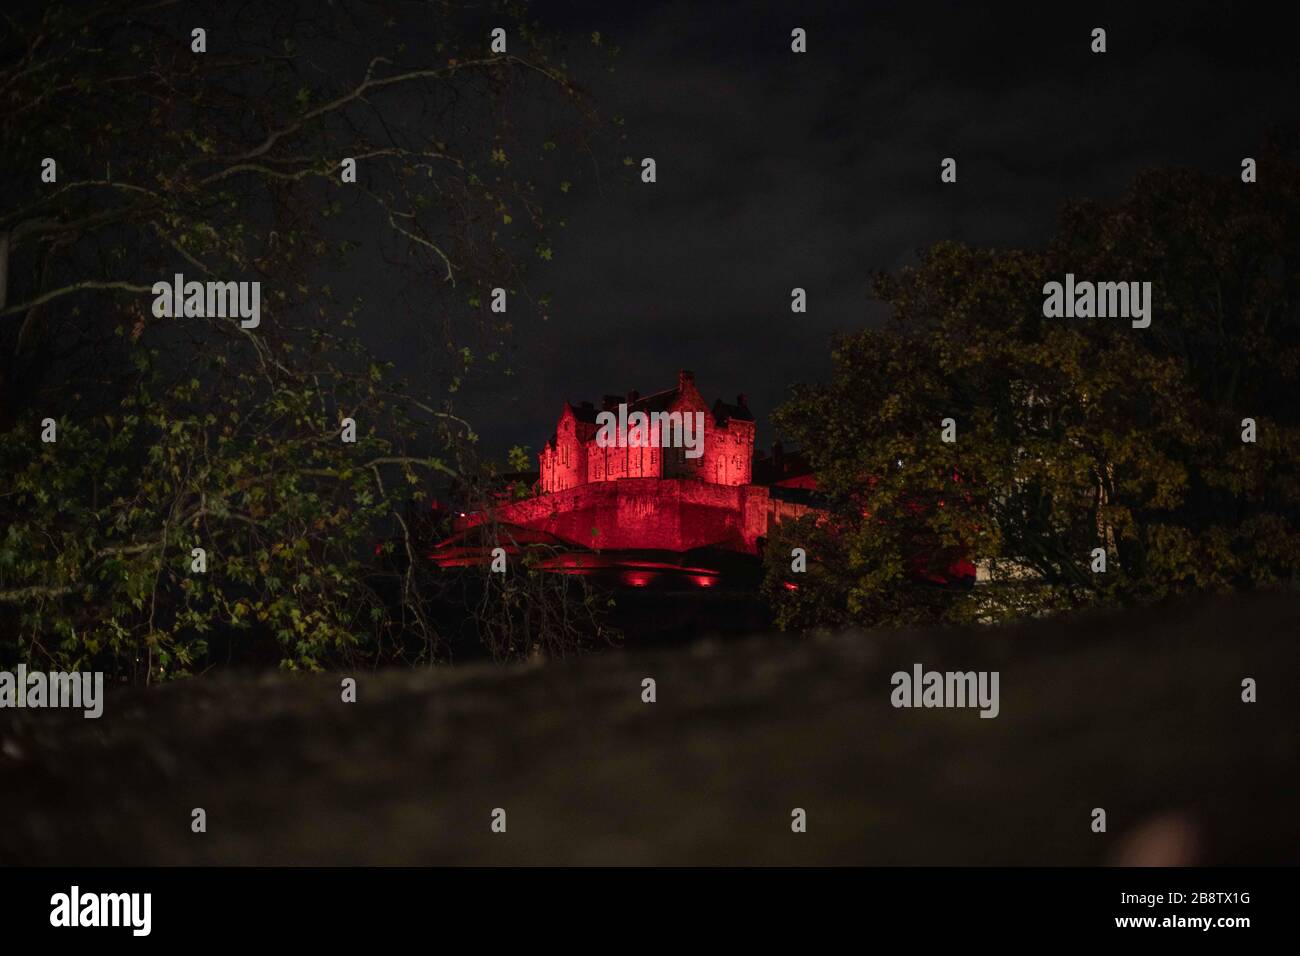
[[683, 376]]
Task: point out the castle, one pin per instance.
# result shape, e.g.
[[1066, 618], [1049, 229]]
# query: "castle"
[[573, 456], [650, 510], [654, 496]]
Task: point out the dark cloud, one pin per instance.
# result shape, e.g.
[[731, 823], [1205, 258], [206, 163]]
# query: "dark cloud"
[[777, 170]]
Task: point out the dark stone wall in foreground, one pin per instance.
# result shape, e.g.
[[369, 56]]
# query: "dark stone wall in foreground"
[[1140, 714]]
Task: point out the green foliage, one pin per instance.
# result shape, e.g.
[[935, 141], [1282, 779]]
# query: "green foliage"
[[101, 524], [177, 433], [519, 458], [1072, 434]]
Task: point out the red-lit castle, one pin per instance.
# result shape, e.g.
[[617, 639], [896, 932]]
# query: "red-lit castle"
[[627, 502], [655, 511], [572, 457]]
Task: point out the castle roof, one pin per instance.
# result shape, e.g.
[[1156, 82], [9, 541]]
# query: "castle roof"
[[658, 402], [724, 412], [583, 412]]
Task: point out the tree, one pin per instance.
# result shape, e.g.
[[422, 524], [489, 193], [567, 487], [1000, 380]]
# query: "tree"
[[1072, 434], [227, 163]]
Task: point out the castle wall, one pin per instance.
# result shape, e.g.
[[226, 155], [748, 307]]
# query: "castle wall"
[[728, 453], [608, 464], [564, 465], [648, 513]]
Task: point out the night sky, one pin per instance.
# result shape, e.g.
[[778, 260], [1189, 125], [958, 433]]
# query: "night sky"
[[778, 170]]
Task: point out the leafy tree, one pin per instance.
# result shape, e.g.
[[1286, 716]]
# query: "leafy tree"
[[1072, 434], [175, 434]]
